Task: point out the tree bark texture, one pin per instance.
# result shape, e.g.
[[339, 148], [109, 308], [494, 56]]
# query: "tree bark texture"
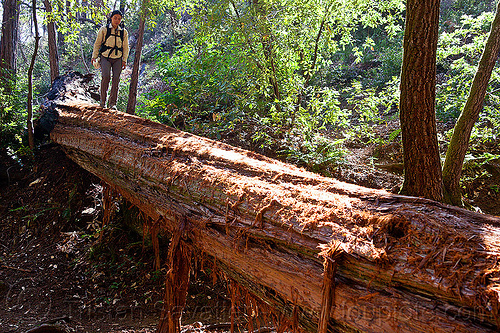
[[455, 155], [51, 31], [31, 136], [134, 78], [176, 284], [393, 263], [9, 43], [423, 176]]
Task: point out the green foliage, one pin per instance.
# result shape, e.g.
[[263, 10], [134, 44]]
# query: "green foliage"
[[394, 135], [196, 89], [293, 77], [459, 53], [13, 115], [390, 57], [371, 106], [256, 67], [452, 10], [307, 148]]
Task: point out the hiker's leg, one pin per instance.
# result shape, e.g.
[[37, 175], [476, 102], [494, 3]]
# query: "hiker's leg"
[[105, 78], [117, 69]]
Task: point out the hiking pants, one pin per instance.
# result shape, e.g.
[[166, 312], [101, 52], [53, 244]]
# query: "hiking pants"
[[108, 64]]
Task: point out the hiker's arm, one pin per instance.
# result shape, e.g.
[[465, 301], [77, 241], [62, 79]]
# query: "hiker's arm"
[[97, 44], [125, 49]]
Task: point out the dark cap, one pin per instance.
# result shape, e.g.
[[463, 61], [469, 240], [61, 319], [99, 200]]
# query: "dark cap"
[[114, 12]]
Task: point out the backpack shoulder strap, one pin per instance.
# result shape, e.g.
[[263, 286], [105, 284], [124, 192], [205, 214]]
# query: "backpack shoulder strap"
[[104, 47], [108, 33]]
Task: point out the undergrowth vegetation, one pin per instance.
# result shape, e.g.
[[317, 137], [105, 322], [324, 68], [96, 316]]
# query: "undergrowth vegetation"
[[279, 79], [267, 89], [292, 80], [458, 54]]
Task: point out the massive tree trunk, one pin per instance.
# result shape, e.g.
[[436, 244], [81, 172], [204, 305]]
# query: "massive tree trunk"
[[51, 30], [9, 44], [455, 155], [392, 263], [423, 176]]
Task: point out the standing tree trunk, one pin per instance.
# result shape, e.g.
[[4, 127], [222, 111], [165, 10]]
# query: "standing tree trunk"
[[122, 6], [309, 70], [60, 34], [423, 175], [8, 44], [60, 42], [64, 7], [455, 155], [134, 79], [269, 68], [31, 138], [51, 29], [268, 49]]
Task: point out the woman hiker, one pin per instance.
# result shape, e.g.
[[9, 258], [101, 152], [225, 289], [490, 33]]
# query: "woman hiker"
[[111, 46]]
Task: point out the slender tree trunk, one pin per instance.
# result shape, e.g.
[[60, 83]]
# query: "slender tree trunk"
[[61, 6], [423, 175], [270, 55], [122, 6], [9, 43], [53, 55], [455, 155], [31, 138], [312, 67], [60, 42], [269, 52], [134, 79], [83, 15], [173, 25]]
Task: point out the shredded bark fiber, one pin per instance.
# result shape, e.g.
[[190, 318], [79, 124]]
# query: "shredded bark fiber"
[[409, 264]]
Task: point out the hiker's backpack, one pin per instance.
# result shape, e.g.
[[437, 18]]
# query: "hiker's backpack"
[[104, 47]]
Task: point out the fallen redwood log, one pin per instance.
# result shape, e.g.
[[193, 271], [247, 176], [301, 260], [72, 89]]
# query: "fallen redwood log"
[[392, 263]]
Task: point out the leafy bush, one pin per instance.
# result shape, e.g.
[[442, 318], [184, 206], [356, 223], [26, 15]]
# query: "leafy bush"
[[459, 53], [263, 70], [452, 10], [13, 115], [370, 106]]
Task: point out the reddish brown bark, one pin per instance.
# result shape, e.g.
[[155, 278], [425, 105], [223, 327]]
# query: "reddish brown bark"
[[176, 285], [423, 176], [53, 54], [408, 264], [8, 43], [332, 257]]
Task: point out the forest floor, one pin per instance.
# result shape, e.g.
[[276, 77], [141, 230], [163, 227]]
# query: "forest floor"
[[55, 268]]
